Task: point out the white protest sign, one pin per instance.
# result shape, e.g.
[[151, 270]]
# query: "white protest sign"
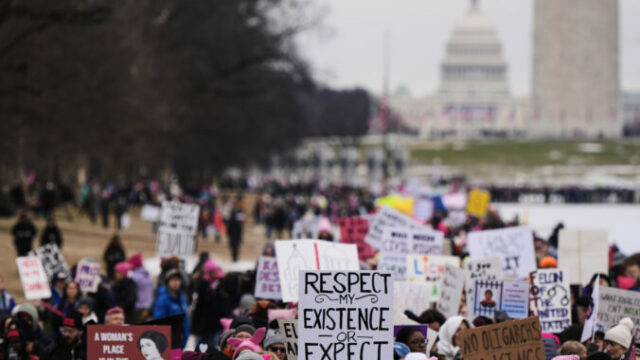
[[305, 228], [583, 253], [88, 275], [451, 290], [513, 245], [616, 304], [296, 255], [35, 283], [511, 297], [398, 243], [289, 332], [387, 218], [413, 296], [51, 259], [590, 322], [345, 314], [549, 299], [150, 213], [177, 230], [489, 268], [267, 279]]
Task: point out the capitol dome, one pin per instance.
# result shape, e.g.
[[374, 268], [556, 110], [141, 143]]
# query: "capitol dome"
[[473, 63]]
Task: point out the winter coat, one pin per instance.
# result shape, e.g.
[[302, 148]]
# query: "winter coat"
[[145, 287], [124, 295], [7, 303], [168, 305], [23, 234], [59, 350], [51, 234], [206, 315]]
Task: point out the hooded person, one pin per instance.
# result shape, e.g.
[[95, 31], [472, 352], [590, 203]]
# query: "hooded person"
[[29, 314], [125, 291], [85, 308], [206, 314], [618, 339], [450, 340], [144, 286]]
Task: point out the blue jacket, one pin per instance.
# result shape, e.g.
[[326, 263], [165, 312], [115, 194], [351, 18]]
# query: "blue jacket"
[[6, 303], [167, 305]]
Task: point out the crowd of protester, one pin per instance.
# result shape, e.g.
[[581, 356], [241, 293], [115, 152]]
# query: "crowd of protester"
[[219, 310]]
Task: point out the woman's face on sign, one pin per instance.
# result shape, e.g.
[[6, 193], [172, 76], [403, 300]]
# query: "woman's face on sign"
[[149, 350]]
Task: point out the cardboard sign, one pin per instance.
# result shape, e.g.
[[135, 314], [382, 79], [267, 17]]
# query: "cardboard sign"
[[413, 296], [268, 279], [353, 230], [88, 275], [480, 269], [150, 213], [135, 342], [177, 230], [398, 243], [616, 304], [478, 202], [511, 297], [51, 259], [583, 253], [451, 290], [345, 314], [550, 299], [35, 282], [305, 228], [513, 245], [296, 255], [517, 339], [289, 332], [388, 217]]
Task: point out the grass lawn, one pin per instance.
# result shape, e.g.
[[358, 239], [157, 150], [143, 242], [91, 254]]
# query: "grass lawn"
[[527, 153]]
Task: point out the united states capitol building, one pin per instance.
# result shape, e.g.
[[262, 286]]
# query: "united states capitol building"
[[575, 78]]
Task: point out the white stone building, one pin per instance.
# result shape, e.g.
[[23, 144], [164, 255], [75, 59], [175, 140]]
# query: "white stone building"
[[473, 100]]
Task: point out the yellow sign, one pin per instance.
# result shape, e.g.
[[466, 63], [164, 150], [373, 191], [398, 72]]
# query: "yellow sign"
[[478, 202]]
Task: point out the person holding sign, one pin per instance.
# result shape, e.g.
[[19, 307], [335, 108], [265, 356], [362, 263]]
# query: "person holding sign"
[[450, 339], [617, 340]]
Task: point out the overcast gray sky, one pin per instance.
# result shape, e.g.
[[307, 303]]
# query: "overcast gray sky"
[[346, 51]]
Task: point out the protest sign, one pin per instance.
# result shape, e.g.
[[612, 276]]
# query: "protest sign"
[[517, 339], [88, 275], [450, 290], [478, 202], [616, 304], [423, 209], [289, 332], [397, 243], [305, 228], [296, 255], [511, 297], [429, 268], [51, 259], [583, 253], [267, 279], [550, 299], [410, 295], [387, 217], [345, 315], [353, 230], [35, 282], [513, 245], [177, 230], [588, 330], [150, 213], [489, 268], [134, 342]]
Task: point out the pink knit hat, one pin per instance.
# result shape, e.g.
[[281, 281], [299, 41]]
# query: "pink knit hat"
[[566, 357], [136, 260], [252, 344], [123, 267]]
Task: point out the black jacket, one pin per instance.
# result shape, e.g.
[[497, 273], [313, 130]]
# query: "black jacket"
[[125, 294], [51, 234], [59, 350]]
